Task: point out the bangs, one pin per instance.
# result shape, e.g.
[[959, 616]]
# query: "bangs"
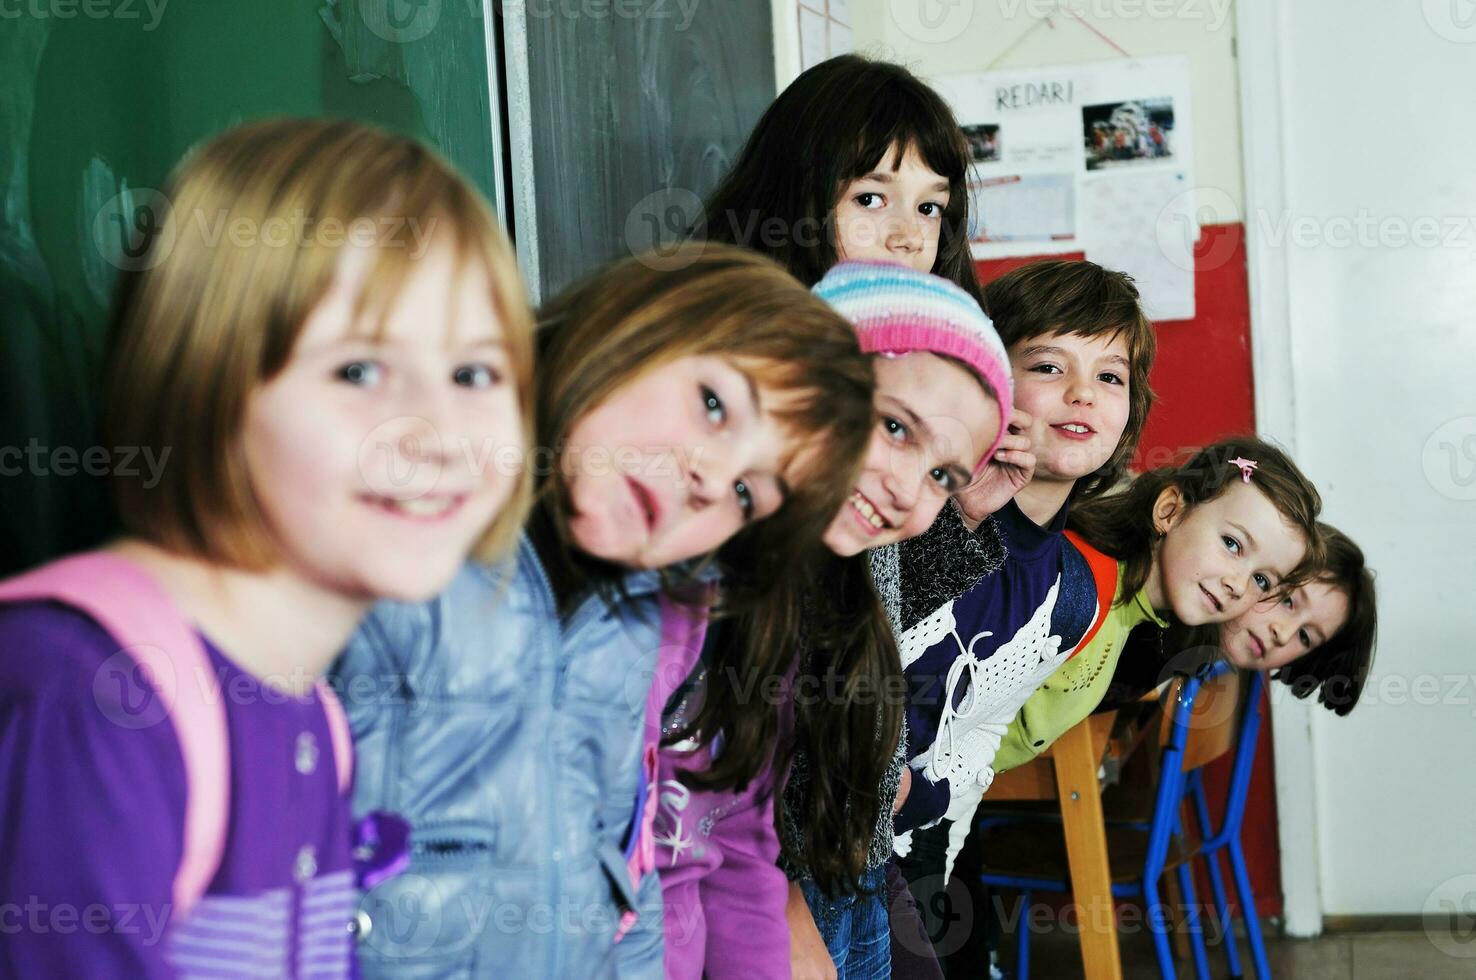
[[420, 217], [909, 122]]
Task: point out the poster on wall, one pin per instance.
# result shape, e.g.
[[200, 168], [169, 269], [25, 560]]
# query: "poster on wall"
[[1094, 158]]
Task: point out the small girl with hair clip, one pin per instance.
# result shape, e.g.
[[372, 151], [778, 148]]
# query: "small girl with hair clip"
[[1202, 543], [1233, 527], [176, 774], [1318, 637]]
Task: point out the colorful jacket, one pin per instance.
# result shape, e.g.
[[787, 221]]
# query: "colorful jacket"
[[510, 738], [716, 851], [973, 660], [1076, 687]]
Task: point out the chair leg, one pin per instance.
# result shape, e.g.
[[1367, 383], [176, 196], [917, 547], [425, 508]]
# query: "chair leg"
[[1191, 913], [1222, 912], [1022, 938], [1180, 934], [1159, 926], [1217, 880], [1248, 910]]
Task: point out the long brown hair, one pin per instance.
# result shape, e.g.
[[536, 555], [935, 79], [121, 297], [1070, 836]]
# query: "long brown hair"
[[710, 299], [1121, 524], [838, 121], [834, 123], [847, 725]]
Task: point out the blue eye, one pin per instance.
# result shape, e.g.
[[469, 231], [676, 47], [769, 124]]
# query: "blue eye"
[[895, 429], [944, 479], [476, 376], [363, 374], [745, 499], [717, 414], [1287, 602], [1263, 581], [1231, 544]]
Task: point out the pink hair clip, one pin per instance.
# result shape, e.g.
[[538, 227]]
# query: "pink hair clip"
[[1246, 467]]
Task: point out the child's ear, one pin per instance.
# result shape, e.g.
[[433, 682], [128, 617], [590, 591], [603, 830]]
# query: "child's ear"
[[1168, 510]]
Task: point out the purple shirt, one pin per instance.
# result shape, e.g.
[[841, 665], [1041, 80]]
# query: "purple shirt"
[[93, 823], [717, 851]]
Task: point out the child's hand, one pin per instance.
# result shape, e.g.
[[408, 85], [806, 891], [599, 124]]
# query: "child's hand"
[[808, 957], [1006, 474], [902, 790]]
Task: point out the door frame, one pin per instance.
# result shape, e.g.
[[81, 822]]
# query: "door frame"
[[1259, 29]]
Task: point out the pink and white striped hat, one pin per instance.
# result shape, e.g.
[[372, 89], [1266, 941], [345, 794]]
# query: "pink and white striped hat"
[[897, 310]]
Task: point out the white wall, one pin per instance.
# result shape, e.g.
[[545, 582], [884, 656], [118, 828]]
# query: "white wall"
[[1370, 232], [938, 37]]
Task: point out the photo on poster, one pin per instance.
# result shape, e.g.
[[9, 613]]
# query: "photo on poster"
[[1130, 133], [983, 141]]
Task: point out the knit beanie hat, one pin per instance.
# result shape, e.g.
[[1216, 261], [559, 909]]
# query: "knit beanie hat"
[[897, 310]]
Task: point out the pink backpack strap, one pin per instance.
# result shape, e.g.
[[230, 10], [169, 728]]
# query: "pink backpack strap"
[[136, 611], [338, 729]]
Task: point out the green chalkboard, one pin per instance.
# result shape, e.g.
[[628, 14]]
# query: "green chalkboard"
[[97, 103]]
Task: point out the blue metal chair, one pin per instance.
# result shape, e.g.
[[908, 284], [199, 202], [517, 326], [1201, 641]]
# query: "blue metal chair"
[[1023, 854]]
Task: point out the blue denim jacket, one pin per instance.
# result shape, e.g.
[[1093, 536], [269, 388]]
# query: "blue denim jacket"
[[511, 741]]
